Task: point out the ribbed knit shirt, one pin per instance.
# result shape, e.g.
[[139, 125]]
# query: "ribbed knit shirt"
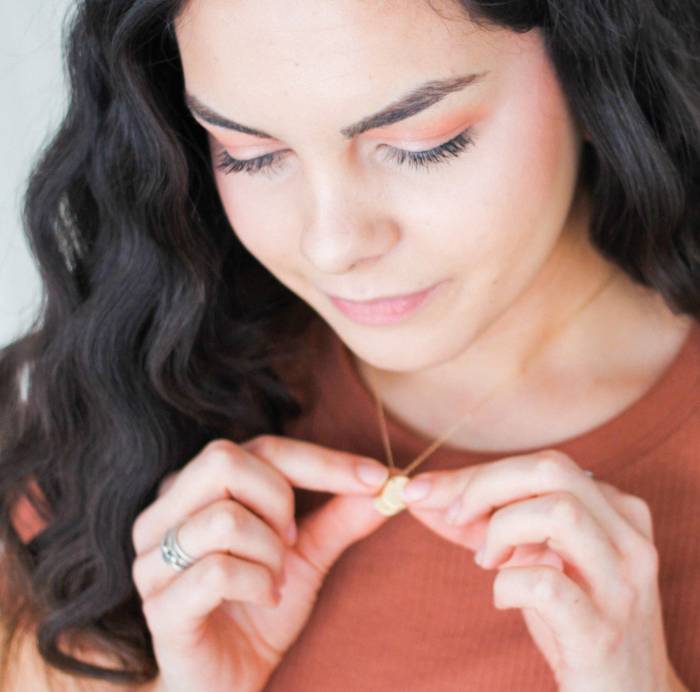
[[405, 610]]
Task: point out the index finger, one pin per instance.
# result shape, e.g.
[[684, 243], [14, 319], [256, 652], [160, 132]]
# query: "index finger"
[[315, 467], [258, 474], [443, 487]]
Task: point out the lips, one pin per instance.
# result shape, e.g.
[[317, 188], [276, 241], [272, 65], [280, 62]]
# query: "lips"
[[381, 299], [384, 310]]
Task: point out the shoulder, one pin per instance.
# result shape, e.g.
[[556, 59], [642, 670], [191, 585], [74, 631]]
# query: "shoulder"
[[28, 672]]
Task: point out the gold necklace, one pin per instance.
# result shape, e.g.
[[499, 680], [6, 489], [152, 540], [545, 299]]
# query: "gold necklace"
[[389, 500]]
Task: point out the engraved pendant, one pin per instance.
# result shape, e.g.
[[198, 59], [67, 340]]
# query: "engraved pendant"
[[389, 500]]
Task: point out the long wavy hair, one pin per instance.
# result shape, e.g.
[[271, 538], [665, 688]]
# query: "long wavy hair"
[[158, 331]]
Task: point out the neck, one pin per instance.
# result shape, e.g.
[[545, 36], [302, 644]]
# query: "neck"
[[582, 321]]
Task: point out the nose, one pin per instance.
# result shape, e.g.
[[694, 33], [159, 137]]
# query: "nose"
[[346, 230]]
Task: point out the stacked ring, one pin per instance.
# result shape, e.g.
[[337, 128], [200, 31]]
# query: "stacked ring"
[[172, 552]]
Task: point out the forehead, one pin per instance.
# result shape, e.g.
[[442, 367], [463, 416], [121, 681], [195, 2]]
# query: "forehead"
[[295, 28], [312, 52]]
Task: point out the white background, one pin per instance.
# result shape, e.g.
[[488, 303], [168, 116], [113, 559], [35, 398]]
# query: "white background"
[[32, 101]]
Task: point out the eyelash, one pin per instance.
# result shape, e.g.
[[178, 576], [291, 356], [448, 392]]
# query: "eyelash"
[[417, 159]]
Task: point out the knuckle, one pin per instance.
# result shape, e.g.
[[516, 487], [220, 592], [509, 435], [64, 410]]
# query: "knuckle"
[[136, 533], [642, 510], [268, 445], [220, 457], [283, 493], [214, 572], [225, 520], [218, 445], [652, 558], [608, 641], [150, 607], [639, 504], [566, 510], [268, 584], [166, 482], [555, 455], [627, 599], [552, 466], [279, 554], [546, 588], [648, 560], [288, 501], [273, 589], [642, 554], [139, 532], [136, 573], [259, 583], [260, 442]]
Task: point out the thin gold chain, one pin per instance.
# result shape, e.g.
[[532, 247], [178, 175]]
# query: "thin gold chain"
[[462, 420]]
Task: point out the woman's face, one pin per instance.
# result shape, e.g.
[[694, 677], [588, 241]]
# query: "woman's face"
[[343, 211]]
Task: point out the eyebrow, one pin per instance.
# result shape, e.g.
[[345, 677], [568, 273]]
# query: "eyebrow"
[[415, 101]]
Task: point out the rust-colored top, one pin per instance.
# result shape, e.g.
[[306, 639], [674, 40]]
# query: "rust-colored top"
[[405, 610]]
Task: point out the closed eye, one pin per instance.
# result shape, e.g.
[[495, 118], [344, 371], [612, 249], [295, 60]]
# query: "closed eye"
[[416, 159]]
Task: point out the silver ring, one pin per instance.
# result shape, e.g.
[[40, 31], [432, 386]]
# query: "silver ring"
[[172, 551]]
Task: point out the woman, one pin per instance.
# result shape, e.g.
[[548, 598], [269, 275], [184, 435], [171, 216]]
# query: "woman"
[[260, 219]]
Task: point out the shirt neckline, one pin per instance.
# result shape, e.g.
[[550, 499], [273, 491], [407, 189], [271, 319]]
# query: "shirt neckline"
[[626, 436]]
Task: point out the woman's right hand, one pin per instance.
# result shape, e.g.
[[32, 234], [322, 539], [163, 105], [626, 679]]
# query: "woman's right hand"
[[218, 625]]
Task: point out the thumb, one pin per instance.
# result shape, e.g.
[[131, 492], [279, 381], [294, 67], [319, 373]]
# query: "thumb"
[[327, 531]]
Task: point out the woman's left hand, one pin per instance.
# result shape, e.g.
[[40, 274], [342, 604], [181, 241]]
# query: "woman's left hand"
[[575, 554]]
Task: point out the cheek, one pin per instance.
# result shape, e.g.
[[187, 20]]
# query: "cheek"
[[523, 179], [252, 215], [510, 201], [544, 146], [255, 220]]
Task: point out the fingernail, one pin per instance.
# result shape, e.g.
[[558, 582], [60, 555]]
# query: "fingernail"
[[292, 533], [453, 511], [372, 474], [479, 557], [416, 490]]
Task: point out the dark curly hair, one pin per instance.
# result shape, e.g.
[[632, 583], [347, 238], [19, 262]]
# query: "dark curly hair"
[[158, 331]]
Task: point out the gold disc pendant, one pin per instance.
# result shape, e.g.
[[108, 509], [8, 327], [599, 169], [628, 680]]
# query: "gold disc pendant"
[[389, 500]]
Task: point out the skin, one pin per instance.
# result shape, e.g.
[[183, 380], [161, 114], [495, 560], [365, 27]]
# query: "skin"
[[529, 313], [505, 222]]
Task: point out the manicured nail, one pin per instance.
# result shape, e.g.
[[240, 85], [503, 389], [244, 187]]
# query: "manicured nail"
[[416, 489], [453, 511], [371, 474], [292, 533], [479, 557]]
